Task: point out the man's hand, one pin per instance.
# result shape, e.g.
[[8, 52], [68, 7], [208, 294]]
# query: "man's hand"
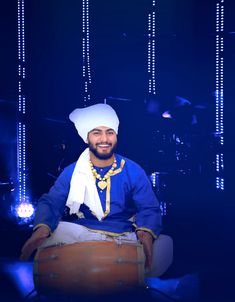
[[147, 240], [34, 242]]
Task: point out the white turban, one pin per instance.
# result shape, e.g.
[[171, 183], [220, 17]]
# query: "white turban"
[[88, 118]]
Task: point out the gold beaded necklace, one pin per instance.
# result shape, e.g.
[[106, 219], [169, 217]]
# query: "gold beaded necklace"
[[102, 183]]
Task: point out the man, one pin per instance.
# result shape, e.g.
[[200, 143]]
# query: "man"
[[111, 195]]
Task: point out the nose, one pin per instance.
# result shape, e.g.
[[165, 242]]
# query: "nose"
[[103, 137]]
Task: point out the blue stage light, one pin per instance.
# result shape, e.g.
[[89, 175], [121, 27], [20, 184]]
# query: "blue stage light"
[[23, 211]]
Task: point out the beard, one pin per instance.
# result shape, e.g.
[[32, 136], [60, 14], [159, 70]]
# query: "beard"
[[99, 155]]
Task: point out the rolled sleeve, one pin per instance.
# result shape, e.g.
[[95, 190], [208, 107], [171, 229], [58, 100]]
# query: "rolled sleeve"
[[148, 217]]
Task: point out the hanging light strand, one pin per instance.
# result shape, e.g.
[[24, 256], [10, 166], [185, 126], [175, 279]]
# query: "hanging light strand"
[[86, 69], [21, 127], [151, 51], [219, 91]]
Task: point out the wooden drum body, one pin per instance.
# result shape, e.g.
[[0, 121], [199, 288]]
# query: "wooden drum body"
[[89, 267]]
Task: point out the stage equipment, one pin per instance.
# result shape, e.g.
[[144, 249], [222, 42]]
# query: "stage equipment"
[[93, 267], [113, 98], [183, 111], [185, 129], [6, 186], [53, 120], [159, 184]]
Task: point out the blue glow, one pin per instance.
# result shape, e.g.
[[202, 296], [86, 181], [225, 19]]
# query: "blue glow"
[[21, 274], [186, 288]]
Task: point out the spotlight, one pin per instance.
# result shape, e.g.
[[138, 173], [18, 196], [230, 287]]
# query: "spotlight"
[[24, 211], [166, 114]]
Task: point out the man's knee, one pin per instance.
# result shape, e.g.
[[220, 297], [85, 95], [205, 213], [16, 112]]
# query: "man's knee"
[[162, 255]]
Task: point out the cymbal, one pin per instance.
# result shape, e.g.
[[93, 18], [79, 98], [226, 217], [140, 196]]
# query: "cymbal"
[[8, 102], [112, 98], [180, 101], [200, 106], [217, 133], [53, 120], [182, 105]]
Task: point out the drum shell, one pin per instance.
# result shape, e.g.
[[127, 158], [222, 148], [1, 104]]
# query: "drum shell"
[[89, 267]]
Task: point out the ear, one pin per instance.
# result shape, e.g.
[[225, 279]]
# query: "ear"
[[87, 138]]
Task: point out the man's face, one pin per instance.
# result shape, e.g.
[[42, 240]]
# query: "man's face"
[[102, 142]]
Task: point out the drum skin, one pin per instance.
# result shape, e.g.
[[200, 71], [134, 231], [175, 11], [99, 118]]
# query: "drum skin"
[[89, 267]]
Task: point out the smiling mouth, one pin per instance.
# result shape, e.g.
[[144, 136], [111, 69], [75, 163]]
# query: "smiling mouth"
[[104, 145]]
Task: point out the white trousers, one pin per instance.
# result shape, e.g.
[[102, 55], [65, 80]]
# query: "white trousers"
[[68, 233]]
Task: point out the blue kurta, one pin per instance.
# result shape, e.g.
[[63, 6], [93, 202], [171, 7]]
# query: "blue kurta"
[[129, 204]]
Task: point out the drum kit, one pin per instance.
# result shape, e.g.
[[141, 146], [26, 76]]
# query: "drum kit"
[[173, 139]]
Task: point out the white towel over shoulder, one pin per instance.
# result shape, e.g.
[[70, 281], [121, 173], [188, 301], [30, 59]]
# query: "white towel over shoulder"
[[83, 188]]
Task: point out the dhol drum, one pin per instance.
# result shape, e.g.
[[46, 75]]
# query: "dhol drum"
[[89, 267]]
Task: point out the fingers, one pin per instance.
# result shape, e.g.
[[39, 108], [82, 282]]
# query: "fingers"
[[28, 249], [32, 244], [147, 240], [148, 254], [25, 255]]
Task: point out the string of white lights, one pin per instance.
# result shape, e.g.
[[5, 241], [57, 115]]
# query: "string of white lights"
[[219, 91], [86, 70], [151, 69], [21, 127], [151, 60]]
